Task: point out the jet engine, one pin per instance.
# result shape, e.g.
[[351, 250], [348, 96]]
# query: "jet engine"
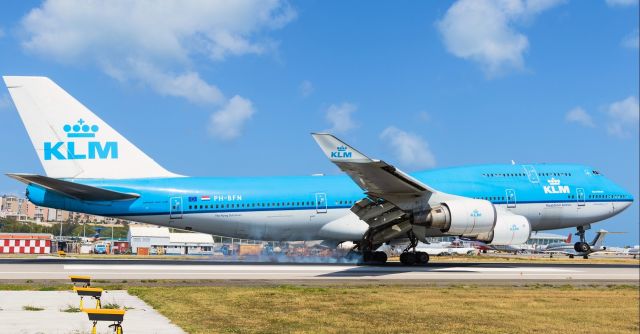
[[510, 229], [467, 217]]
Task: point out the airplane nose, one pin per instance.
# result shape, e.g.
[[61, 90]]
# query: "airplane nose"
[[621, 206]]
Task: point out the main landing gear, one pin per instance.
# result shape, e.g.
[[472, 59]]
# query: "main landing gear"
[[409, 258], [581, 246], [377, 257]]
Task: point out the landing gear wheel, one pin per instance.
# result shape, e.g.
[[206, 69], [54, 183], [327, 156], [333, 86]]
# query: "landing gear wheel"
[[367, 257], [581, 247], [380, 257], [585, 257], [571, 256], [408, 258], [422, 257]]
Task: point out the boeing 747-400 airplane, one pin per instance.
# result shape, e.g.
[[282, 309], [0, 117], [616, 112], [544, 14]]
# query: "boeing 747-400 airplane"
[[91, 168]]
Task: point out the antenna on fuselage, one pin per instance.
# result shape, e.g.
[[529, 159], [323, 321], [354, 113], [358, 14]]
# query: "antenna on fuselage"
[[513, 162]]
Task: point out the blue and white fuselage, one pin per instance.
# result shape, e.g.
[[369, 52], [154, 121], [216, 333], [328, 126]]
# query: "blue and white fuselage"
[[297, 207], [92, 168]]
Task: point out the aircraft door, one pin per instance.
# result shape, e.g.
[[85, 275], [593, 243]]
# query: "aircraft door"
[[321, 203], [511, 198], [580, 196], [531, 173], [175, 208]]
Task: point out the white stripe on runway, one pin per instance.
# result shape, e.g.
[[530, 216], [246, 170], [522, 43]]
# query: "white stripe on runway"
[[285, 268]]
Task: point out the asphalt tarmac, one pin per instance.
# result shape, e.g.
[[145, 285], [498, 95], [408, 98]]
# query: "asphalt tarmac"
[[60, 269]]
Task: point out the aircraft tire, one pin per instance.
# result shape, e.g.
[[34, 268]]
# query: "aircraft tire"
[[368, 257], [581, 247], [571, 256], [380, 257], [422, 257], [408, 259]]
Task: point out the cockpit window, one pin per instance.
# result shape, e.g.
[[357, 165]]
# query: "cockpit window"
[[595, 172]]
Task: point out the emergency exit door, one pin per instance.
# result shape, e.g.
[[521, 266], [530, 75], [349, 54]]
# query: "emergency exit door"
[[321, 203]]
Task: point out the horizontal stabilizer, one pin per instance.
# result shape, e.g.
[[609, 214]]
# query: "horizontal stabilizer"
[[72, 189]]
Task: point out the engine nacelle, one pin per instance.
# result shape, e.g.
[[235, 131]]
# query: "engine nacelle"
[[510, 229], [467, 217]]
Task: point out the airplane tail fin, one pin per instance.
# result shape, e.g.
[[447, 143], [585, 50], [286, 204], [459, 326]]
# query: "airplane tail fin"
[[70, 140], [599, 238], [568, 240]]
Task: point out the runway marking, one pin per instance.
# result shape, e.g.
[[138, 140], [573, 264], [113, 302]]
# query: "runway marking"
[[277, 271], [208, 268], [517, 269], [277, 268]]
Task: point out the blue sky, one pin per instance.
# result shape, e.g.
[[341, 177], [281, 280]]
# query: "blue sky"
[[234, 89]]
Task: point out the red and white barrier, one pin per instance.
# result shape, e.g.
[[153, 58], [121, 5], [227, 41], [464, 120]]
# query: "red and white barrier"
[[25, 246]]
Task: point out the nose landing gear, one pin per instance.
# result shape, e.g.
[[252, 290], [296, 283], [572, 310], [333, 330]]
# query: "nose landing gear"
[[581, 246]]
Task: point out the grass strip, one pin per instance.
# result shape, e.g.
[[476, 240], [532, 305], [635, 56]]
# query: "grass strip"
[[398, 309]]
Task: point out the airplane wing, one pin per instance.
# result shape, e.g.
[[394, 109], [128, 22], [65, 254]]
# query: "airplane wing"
[[390, 192], [376, 177], [72, 189]]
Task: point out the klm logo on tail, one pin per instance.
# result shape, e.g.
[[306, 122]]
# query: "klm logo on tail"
[[80, 150], [341, 152]]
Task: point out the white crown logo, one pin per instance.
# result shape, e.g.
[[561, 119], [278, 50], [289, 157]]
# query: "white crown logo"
[[553, 182]]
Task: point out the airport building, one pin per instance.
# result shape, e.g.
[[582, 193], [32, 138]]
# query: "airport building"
[[541, 239], [158, 240]]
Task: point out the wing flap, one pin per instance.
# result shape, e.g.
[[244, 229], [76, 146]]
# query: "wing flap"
[[75, 190]]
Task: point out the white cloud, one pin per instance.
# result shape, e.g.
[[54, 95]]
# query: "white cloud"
[[483, 31], [621, 3], [227, 123], [632, 41], [340, 117], [306, 88], [188, 85], [166, 30], [580, 116], [623, 117], [409, 148], [156, 43]]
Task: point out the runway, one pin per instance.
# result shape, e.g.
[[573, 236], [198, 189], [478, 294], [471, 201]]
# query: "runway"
[[60, 269]]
